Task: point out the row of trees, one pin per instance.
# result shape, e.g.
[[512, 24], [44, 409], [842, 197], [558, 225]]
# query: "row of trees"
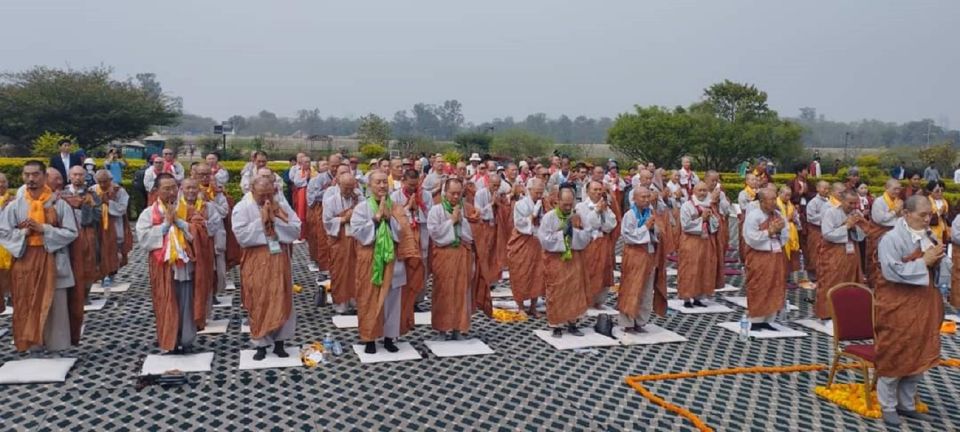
[[820, 132], [87, 105], [731, 123]]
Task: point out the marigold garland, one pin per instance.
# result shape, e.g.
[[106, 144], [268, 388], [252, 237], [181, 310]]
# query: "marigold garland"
[[850, 396], [844, 393], [508, 316]]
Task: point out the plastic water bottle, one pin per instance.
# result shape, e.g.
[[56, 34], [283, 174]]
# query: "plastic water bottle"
[[744, 329], [337, 348], [785, 312], [327, 347]]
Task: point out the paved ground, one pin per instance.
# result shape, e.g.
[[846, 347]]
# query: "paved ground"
[[526, 385]]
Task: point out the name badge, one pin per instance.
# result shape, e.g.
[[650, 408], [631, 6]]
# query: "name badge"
[[850, 248], [803, 201], [274, 246]]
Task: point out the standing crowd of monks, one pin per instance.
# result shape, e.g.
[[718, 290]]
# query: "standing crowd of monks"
[[382, 236]]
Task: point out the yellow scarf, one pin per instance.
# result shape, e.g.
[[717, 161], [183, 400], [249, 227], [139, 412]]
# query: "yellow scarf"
[[37, 213], [793, 239], [752, 194], [175, 239], [6, 260], [104, 209], [942, 214], [834, 201], [891, 202], [182, 208], [209, 192]]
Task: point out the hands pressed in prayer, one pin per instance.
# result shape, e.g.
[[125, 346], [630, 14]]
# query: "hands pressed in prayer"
[[933, 254], [456, 215], [196, 217], [399, 212], [576, 222], [705, 212], [602, 206], [265, 212], [853, 220], [650, 223], [279, 213], [346, 214], [32, 225]]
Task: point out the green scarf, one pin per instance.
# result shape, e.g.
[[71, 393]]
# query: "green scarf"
[[447, 207], [382, 244], [564, 220]]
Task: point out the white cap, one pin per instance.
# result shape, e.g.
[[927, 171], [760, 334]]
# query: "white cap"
[[89, 161], [475, 157], [523, 164]]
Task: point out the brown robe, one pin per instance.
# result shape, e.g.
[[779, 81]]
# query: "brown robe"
[[566, 287], [485, 241], [503, 213], [343, 268], [836, 267], [955, 282], [524, 260], [34, 278], [371, 298], [408, 250], [269, 293], [598, 266], [699, 267], [109, 250], [204, 265], [86, 270], [233, 254], [874, 233], [637, 266], [766, 282], [450, 267], [814, 238], [317, 237], [165, 307], [907, 322], [127, 245]]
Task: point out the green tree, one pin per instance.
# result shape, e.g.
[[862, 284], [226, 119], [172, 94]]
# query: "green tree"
[[473, 142], [517, 143], [47, 144], [652, 134], [374, 130], [86, 104]]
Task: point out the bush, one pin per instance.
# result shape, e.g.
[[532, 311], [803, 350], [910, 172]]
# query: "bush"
[[452, 156], [46, 145], [373, 151], [868, 161]]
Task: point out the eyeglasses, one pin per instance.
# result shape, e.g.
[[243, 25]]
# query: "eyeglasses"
[[167, 154]]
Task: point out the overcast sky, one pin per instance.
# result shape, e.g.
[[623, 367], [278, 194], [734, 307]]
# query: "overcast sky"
[[891, 60]]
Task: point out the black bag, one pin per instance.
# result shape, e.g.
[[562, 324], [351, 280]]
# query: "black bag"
[[604, 325]]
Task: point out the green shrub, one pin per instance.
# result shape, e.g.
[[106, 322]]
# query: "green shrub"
[[373, 151], [46, 145]]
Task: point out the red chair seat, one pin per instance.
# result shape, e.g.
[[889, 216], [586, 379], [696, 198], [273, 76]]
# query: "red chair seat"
[[864, 351]]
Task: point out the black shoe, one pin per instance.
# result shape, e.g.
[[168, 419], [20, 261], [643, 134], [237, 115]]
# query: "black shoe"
[[176, 351], [371, 348], [767, 326], [279, 350], [261, 354], [688, 304], [572, 329], [756, 326], [389, 346], [557, 332], [186, 350], [699, 303], [638, 329], [916, 415], [455, 335], [350, 312]]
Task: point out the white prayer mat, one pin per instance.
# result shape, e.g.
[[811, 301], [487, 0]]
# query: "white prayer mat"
[[115, 288], [815, 325], [568, 341], [742, 302], [230, 286], [313, 267], [672, 289], [345, 321], [406, 352], [617, 274], [652, 335], [3, 331], [245, 328], [607, 310], [8, 310], [952, 317], [712, 307], [458, 348], [156, 364], [95, 305], [505, 275], [215, 327], [671, 271], [271, 361], [422, 318], [36, 370], [783, 332], [500, 292], [225, 301], [619, 259]]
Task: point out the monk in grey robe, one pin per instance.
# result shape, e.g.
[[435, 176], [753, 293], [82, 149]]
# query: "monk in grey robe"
[[884, 213], [114, 201], [37, 230], [764, 233], [840, 249], [908, 310], [815, 209], [598, 219], [643, 288], [416, 203], [451, 263], [84, 251], [338, 204], [381, 275], [266, 229], [563, 238]]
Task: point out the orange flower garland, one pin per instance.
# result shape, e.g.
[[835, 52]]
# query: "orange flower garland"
[[838, 393]]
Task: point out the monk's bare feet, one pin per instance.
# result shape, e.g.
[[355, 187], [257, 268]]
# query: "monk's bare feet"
[[279, 350], [261, 354], [389, 345], [371, 348]]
